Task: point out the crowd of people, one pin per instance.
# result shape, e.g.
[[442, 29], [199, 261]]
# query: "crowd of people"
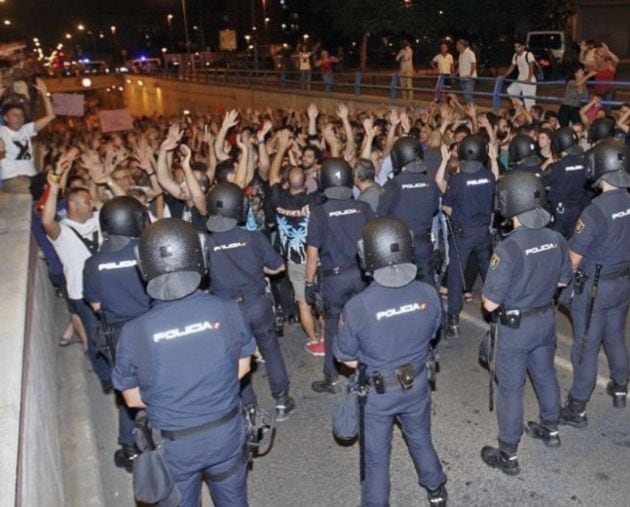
[[281, 198]]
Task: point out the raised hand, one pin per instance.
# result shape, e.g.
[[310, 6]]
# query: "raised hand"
[[230, 120], [312, 112]]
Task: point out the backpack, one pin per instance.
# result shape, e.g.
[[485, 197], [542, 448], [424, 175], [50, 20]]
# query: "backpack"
[[538, 71]]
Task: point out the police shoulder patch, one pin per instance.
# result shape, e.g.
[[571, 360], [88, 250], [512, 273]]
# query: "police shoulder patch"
[[494, 262], [580, 226]]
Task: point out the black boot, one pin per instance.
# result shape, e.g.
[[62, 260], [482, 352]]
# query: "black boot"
[[504, 458], [452, 326], [547, 432], [284, 406], [574, 413], [123, 457], [618, 392], [437, 496], [327, 385]]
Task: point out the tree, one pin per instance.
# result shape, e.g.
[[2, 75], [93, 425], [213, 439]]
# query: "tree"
[[359, 19]]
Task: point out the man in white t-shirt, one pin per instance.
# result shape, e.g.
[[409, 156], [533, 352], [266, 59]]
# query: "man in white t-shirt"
[[405, 58], [467, 70], [443, 62], [525, 87], [18, 166], [75, 239]]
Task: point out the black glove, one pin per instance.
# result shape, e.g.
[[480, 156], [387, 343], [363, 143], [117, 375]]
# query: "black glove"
[[310, 293]]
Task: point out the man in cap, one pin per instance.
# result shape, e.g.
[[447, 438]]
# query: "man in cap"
[[334, 228], [182, 361], [407, 314], [525, 271], [113, 287], [600, 250]]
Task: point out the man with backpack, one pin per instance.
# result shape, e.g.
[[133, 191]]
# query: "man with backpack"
[[524, 88]]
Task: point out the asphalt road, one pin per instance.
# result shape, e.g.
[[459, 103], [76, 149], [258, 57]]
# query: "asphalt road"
[[306, 467]]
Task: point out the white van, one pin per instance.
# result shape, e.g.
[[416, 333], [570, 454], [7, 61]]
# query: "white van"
[[547, 43]]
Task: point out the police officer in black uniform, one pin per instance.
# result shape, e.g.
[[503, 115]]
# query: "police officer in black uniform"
[[525, 271], [565, 180], [600, 250], [238, 262], [182, 362], [523, 155], [334, 228], [413, 197], [468, 202], [113, 287], [387, 330]]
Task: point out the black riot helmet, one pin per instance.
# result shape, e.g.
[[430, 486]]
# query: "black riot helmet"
[[225, 204], [472, 152], [522, 194], [386, 250], [335, 178], [123, 216], [609, 160], [171, 258], [523, 150], [601, 128], [405, 151], [565, 139]]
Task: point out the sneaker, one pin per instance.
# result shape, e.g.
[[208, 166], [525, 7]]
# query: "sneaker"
[[327, 385], [574, 414], [283, 408], [619, 394], [123, 457], [438, 496], [315, 348], [496, 458], [547, 433]]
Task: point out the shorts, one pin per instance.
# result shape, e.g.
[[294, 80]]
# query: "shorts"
[[297, 277]]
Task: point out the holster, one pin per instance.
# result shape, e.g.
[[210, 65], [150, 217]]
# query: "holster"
[[405, 375], [511, 318]]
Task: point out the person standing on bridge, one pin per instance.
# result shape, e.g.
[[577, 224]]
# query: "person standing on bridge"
[[405, 59], [325, 64], [524, 87], [525, 271]]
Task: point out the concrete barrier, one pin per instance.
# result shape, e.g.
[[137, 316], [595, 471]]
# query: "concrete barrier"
[[33, 471]]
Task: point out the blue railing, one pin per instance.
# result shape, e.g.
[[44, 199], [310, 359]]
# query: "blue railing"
[[490, 89]]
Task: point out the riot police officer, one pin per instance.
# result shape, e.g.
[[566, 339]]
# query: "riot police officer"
[[565, 180], [413, 197], [601, 129], [525, 271], [600, 250], [406, 313], [523, 155], [468, 202], [113, 287], [334, 228], [182, 362], [238, 262]]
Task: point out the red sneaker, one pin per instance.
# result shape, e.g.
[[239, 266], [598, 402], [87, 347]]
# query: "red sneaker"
[[315, 348]]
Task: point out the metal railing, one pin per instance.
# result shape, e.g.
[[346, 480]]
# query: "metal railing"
[[386, 84]]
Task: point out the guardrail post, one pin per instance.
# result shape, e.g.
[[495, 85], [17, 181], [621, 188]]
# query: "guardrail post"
[[357, 83], [283, 78], [393, 86], [496, 94]]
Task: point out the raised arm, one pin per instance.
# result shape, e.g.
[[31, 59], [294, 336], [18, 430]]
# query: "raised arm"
[[284, 141], [229, 121], [440, 178], [196, 193], [50, 113]]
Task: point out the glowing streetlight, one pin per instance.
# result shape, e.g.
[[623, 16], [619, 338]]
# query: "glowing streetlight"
[[113, 30], [80, 27], [68, 36], [86, 82], [7, 22]]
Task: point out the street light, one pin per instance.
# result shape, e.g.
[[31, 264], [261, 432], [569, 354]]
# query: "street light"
[[7, 22], [68, 36], [80, 27]]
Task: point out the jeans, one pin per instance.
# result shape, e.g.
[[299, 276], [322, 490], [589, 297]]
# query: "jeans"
[[468, 86]]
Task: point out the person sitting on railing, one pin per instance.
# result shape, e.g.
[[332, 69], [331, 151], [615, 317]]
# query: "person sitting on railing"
[[605, 69], [525, 87]]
